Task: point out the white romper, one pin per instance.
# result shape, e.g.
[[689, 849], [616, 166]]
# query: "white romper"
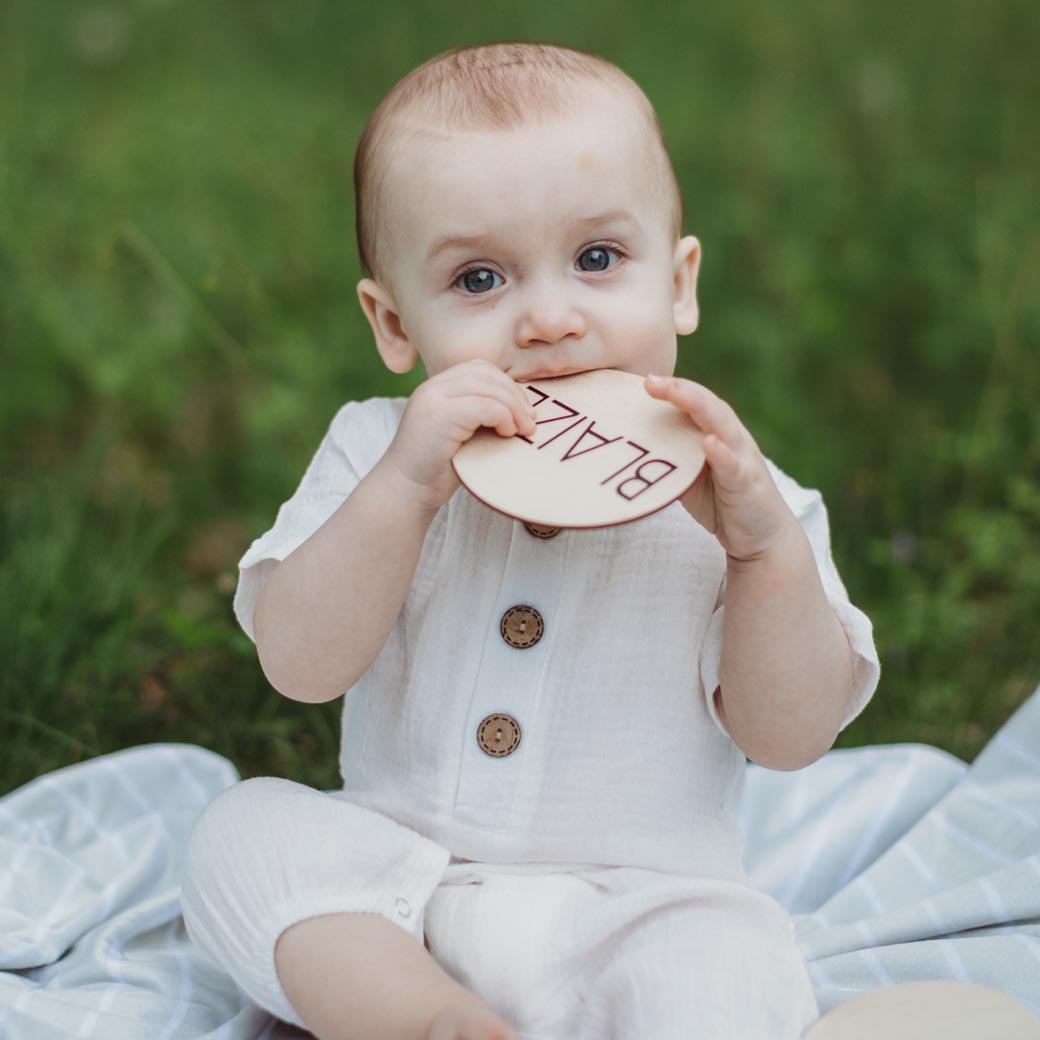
[[536, 783]]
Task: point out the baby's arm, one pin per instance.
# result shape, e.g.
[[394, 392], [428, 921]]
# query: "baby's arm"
[[781, 671], [327, 609], [786, 670]]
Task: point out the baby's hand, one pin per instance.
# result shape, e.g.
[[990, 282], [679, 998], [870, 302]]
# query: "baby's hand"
[[734, 497], [444, 412]]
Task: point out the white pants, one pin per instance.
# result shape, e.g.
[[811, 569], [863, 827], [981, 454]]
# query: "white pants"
[[560, 952]]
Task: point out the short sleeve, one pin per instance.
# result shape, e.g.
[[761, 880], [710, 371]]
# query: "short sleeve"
[[809, 509], [355, 440]]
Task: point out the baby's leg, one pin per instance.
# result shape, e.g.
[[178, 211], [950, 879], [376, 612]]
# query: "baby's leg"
[[282, 881], [358, 976], [675, 957]]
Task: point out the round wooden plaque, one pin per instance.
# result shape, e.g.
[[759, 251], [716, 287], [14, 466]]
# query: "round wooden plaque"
[[603, 452], [940, 1008]]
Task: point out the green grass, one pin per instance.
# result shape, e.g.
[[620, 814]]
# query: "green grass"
[[178, 324]]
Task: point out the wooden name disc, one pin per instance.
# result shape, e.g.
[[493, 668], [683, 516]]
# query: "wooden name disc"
[[939, 1008], [603, 452]]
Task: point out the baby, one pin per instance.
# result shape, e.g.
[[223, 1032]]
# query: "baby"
[[545, 731]]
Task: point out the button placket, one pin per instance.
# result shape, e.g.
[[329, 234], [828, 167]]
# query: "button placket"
[[507, 681]]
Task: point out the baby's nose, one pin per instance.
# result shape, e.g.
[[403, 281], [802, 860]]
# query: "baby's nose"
[[549, 317]]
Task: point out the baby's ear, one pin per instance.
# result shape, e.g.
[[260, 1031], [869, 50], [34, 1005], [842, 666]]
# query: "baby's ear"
[[686, 264], [392, 342]]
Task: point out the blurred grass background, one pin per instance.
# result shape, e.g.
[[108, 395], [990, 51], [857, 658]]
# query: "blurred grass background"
[[178, 324]]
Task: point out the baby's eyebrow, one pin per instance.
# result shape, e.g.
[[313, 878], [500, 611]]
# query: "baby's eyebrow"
[[613, 216]]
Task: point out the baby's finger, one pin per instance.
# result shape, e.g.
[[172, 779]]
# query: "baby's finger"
[[707, 409], [483, 410], [483, 384], [494, 376], [725, 464], [493, 372]]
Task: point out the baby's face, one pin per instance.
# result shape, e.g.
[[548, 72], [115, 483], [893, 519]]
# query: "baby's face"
[[569, 262]]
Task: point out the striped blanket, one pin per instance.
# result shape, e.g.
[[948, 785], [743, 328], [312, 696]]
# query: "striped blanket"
[[897, 863]]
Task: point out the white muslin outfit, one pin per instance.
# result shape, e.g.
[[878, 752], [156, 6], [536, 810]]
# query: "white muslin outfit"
[[588, 885]]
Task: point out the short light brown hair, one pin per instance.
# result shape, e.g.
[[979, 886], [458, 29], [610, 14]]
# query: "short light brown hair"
[[493, 86]]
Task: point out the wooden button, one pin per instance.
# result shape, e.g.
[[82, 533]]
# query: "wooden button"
[[541, 531], [498, 735], [522, 626]]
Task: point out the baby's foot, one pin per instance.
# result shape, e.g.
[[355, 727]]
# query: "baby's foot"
[[469, 1022]]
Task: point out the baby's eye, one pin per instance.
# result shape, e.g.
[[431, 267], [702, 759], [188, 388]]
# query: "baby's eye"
[[598, 255], [479, 279]]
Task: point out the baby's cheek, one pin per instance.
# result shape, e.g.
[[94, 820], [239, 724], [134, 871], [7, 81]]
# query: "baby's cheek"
[[643, 336], [639, 313], [451, 343]]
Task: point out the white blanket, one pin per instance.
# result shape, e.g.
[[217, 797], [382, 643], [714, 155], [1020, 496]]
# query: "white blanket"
[[897, 862]]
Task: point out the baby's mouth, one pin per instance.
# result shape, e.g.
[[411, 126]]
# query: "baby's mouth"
[[549, 373]]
